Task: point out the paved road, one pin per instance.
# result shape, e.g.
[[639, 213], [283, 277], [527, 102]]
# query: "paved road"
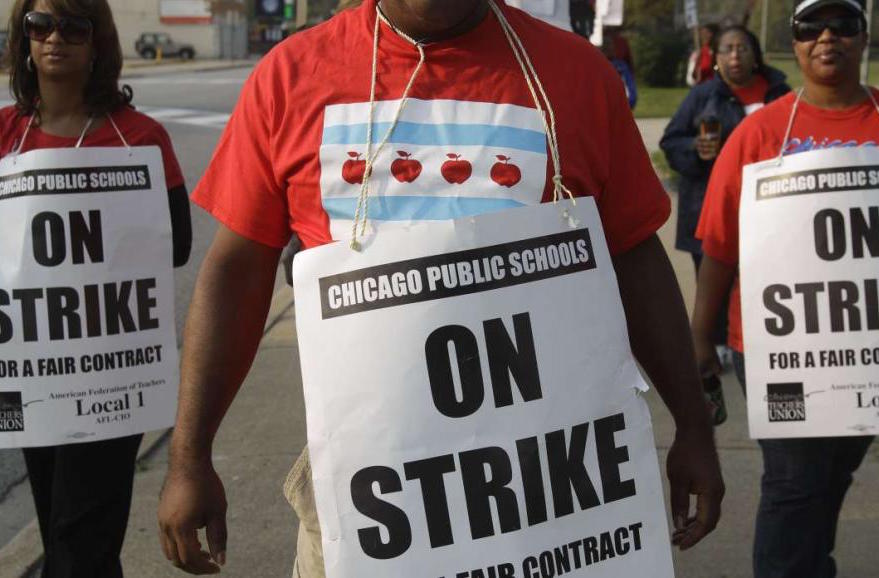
[[193, 107]]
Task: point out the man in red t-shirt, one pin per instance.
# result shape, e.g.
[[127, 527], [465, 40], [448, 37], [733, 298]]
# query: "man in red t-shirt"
[[288, 163], [805, 480]]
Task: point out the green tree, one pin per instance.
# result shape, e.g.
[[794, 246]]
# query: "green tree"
[[658, 48]]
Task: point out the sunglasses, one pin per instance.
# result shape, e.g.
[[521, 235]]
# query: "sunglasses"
[[39, 26], [845, 27]]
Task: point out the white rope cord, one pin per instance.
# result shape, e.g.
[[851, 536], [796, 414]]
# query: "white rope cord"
[[361, 213], [119, 132], [529, 71], [20, 146], [790, 125], [85, 129], [363, 200], [872, 97]]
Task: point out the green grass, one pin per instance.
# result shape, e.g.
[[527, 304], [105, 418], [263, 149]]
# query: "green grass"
[[656, 102], [663, 171]]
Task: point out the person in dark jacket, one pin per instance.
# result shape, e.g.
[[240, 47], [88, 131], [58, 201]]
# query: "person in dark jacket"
[[708, 115], [706, 118]]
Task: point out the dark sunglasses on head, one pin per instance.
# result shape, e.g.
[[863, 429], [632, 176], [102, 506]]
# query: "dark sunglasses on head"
[[809, 30], [39, 26]]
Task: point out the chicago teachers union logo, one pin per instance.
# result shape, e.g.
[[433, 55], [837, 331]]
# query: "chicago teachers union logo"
[[11, 411], [786, 402]]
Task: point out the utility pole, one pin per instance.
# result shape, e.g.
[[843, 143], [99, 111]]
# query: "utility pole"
[[865, 63], [764, 26]]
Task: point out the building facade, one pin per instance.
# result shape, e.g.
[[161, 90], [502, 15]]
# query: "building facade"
[[209, 26]]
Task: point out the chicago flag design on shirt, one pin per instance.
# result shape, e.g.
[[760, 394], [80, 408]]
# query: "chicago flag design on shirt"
[[446, 159]]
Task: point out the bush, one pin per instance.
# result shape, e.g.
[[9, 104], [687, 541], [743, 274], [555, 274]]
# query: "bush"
[[660, 58]]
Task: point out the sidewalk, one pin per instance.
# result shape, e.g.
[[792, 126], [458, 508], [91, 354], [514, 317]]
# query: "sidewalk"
[[140, 68], [264, 432]]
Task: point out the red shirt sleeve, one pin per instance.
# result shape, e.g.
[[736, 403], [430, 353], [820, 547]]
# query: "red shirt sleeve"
[[633, 205], [240, 188]]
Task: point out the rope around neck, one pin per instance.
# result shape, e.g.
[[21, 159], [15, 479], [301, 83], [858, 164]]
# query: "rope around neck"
[[793, 115], [363, 200], [528, 71], [82, 134], [531, 78]]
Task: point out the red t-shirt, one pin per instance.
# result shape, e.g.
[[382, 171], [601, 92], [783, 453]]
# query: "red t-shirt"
[[760, 137], [705, 64], [753, 97], [138, 130], [469, 138]]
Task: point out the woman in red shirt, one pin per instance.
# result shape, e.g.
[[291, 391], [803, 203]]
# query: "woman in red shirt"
[[65, 61], [805, 479]]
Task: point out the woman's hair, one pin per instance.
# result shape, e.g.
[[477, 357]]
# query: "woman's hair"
[[102, 91], [759, 64]]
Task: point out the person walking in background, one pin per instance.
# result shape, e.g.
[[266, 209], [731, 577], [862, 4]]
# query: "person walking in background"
[[615, 48], [706, 118], [700, 67], [805, 480], [64, 61]]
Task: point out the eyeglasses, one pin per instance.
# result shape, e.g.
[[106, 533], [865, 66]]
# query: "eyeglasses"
[[845, 27], [743, 49], [39, 26]]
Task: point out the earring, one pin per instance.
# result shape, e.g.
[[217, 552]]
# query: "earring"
[[29, 63]]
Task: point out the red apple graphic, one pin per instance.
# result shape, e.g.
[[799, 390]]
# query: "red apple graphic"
[[352, 170], [456, 171], [405, 169], [505, 174]]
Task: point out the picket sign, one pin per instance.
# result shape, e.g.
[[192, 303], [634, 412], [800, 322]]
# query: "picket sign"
[[809, 250], [88, 349], [473, 406], [691, 13]]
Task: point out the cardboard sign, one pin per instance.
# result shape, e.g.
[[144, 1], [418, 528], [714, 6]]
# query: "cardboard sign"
[[87, 338], [691, 13], [473, 407], [809, 258]]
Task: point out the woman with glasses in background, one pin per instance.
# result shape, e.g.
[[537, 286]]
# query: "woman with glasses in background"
[[805, 480], [64, 63], [693, 139]]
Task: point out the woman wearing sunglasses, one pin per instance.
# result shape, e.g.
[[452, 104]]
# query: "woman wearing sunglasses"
[[65, 60], [805, 479]]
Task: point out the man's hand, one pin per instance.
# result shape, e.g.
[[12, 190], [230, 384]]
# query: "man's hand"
[[226, 319], [662, 343], [693, 469], [193, 498], [707, 147]]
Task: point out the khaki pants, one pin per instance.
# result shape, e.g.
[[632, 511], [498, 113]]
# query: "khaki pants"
[[300, 493]]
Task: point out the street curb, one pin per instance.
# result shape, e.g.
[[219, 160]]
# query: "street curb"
[[23, 553], [173, 69]]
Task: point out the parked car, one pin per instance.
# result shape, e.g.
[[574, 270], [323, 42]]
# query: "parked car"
[[149, 43]]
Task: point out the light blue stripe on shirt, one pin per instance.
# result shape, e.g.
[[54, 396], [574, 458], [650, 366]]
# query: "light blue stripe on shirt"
[[502, 137], [413, 208]]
